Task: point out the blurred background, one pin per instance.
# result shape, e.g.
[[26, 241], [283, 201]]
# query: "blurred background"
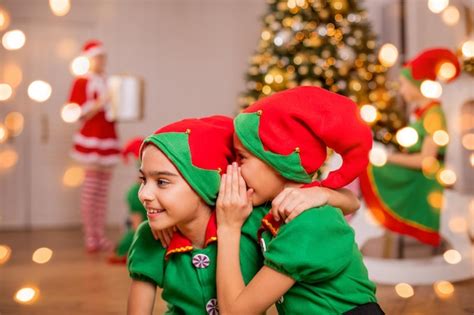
[[168, 60]]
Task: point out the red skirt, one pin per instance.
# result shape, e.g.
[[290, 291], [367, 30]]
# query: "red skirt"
[[96, 142]]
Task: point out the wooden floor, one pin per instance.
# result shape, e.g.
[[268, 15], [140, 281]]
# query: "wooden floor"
[[74, 282]]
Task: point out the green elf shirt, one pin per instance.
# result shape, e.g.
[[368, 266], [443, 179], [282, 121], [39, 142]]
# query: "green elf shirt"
[[134, 206], [187, 275], [317, 249]]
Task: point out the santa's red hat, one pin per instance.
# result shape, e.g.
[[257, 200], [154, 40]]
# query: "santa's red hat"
[[291, 131], [426, 65], [200, 148], [132, 147], [93, 48]]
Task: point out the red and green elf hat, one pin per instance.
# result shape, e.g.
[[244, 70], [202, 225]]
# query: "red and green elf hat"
[[200, 148], [132, 147], [426, 65], [290, 131]]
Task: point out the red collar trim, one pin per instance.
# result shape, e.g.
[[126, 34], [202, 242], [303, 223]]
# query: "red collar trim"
[[419, 112], [269, 224], [180, 244]]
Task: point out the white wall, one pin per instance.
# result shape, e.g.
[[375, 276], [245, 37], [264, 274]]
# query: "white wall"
[[192, 55]]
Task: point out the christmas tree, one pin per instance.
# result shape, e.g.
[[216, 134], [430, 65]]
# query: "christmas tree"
[[328, 44]]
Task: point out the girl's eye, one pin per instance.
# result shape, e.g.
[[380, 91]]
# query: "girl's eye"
[[142, 179], [162, 182]]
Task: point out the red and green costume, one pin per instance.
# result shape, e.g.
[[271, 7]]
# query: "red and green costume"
[[398, 196], [134, 205], [290, 131], [200, 149]]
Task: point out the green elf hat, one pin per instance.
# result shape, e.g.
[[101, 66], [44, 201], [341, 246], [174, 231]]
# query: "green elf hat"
[[291, 131], [200, 148], [426, 65]]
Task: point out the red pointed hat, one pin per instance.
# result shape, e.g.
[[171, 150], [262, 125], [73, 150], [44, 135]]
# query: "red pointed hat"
[[132, 147], [200, 148], [426, 65], [291, 131], [93, 48]]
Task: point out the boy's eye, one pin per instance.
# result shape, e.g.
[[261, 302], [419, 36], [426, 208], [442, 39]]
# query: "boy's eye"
[[142, 179]]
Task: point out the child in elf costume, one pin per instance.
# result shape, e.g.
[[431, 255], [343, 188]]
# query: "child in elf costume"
[[96, 145], [312, 264], [397, 193], [135, 207], [181, 171]]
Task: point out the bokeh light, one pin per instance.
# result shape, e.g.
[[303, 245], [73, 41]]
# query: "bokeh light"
[[13, 40], [441, 137], [437, 6], [71, 112], [404, 290], [388, 55], [452, 256], [42, 255], [6, 91], [74, 176], [80, 65], [451, 15], [14, 122], [407, 137], [27, 295], [431, 89], [60, 7], [368, 113], [446, 71], [378, 156], [39, 91], [5, 254], [443, 289]]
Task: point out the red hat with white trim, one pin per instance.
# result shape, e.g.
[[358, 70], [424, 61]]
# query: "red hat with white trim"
[[93, 48]]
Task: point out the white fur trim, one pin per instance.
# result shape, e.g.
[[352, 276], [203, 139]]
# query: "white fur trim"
[[95, 158], [96, 143], [94, 51], [87, 107]]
